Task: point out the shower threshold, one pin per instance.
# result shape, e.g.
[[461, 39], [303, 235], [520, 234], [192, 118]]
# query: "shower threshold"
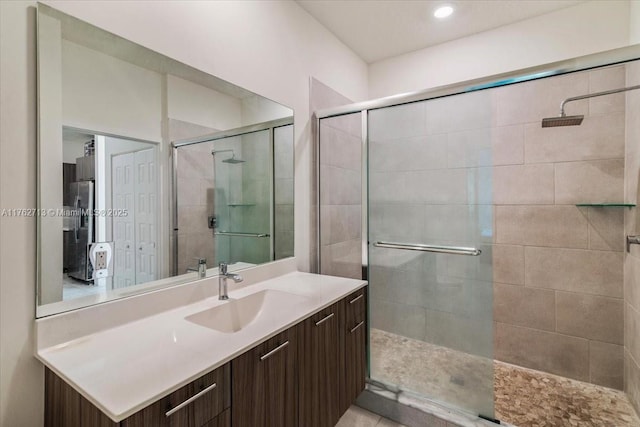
[[522, 397]]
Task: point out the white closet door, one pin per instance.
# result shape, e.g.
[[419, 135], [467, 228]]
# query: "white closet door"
[[146, 215], [123, 196]]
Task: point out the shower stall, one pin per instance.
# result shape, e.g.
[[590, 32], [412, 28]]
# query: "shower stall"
[[493, 243]]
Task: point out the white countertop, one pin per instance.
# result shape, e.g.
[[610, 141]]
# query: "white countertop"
[[124, 369]]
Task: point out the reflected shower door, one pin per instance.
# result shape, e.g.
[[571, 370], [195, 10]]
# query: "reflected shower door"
[[242, 198], [431, 310]]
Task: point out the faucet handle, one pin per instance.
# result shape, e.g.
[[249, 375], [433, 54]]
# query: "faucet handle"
[[201, 260], [223, 268]]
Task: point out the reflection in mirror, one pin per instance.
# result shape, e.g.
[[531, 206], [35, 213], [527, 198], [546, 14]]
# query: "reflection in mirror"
[[234, 196], [149, 169]]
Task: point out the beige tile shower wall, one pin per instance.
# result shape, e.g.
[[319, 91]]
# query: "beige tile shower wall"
[[558, 268], [341, 196], [340, 187], [632, 227]]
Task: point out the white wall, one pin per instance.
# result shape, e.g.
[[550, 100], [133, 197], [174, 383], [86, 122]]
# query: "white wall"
[[20, 374], [586, 28], [276, 48], [193, 103], [634, 22]]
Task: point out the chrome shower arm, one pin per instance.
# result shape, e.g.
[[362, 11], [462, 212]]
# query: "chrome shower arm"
[[593, 95]]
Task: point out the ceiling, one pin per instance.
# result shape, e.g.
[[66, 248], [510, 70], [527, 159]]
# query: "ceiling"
[[379, 29]]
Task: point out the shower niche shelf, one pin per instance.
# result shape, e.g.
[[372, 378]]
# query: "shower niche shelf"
[[606, 205]]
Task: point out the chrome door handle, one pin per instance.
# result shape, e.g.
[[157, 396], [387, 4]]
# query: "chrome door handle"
[[324, 319], [453, 250], [190, 400], [274, 351]]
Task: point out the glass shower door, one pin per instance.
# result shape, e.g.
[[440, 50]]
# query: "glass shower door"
[[242, 198], [430, 261]]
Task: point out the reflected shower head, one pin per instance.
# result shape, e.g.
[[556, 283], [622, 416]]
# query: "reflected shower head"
[[563, 120], [232, 160]]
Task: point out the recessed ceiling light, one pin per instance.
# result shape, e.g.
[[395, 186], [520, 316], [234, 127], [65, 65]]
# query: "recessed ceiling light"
[[443, 12]]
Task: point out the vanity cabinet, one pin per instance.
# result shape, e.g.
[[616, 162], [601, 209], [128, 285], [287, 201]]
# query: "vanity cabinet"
[[265, 388], [306, 376], [319, 357]]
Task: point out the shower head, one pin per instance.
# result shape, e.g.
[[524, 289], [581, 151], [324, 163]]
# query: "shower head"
[[232, 160], [563, 120]]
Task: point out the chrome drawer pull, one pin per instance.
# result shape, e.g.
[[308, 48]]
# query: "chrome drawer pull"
[[357, 326], [320, 322], [190, 400], [274, 351], [356, 298]]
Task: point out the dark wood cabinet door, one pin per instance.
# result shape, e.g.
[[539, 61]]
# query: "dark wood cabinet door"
[[222, 420], [318, 355], [353, 342], [65, 407], [264, 387]]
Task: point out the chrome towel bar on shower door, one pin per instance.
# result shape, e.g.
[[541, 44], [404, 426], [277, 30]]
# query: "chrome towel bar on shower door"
[[453, 250], [240, 234]]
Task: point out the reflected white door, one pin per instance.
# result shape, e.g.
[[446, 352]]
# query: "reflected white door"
[[124, 271], [145, 215]]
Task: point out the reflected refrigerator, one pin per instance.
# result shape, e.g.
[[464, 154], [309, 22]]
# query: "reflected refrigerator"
[[77, 245]]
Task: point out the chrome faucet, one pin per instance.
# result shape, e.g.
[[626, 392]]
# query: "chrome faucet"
[[222, 280], [202, 268]]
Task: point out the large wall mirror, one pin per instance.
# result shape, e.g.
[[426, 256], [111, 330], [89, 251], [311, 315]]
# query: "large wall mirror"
[[148, 169]]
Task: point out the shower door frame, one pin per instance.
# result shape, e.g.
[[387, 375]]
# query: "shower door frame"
[[582, 63], [230, 133]]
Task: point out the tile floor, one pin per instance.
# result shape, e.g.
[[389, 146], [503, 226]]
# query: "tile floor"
[[72, 288], [358, 417], [523, 397]]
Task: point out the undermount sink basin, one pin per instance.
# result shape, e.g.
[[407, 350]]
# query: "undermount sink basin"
[[236, 314]]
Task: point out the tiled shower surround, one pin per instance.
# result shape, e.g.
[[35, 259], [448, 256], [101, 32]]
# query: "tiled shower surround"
[[478, 169], [558, 294]]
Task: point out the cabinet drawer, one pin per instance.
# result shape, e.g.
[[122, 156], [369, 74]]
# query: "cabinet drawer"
[[193, 405]]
